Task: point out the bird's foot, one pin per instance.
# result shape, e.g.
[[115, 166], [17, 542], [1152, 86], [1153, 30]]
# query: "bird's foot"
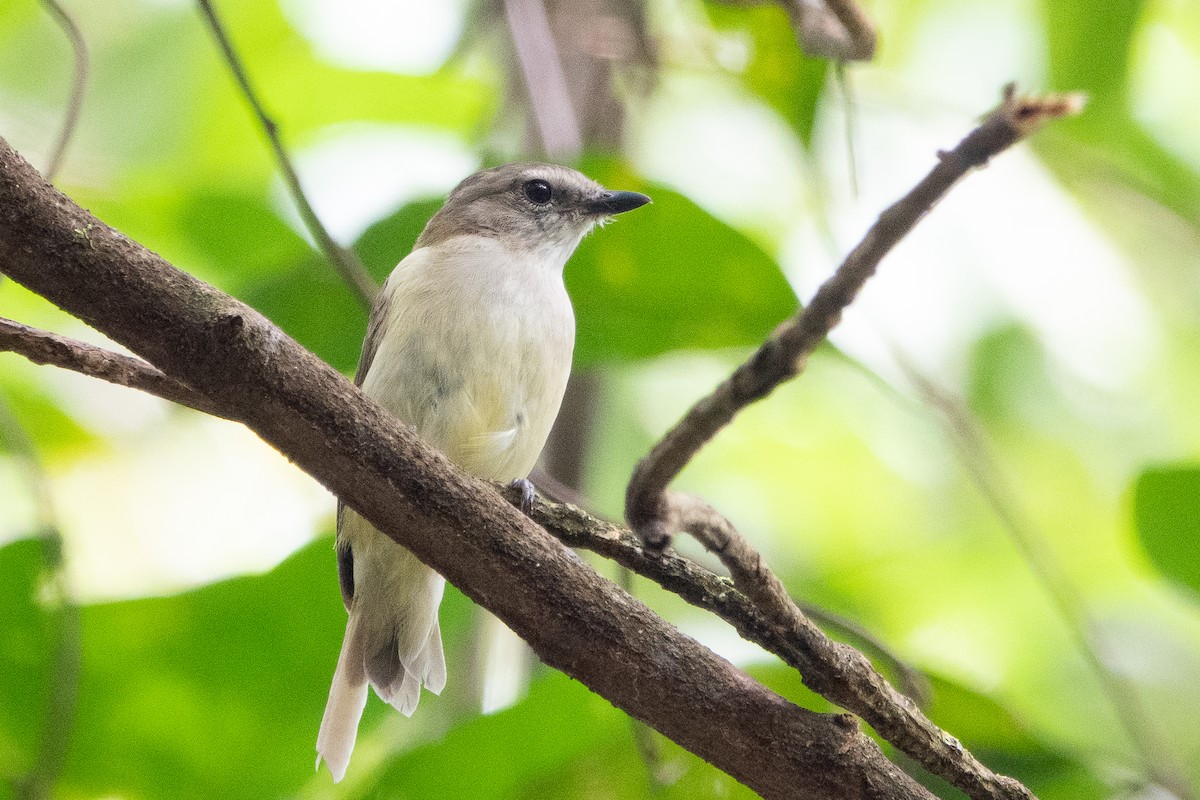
[[524, 501]]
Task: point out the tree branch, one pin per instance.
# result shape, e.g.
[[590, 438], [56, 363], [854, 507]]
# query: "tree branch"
[[545, 81], [43, 347], [576, 620], [835, 29], [784, 355], [839, 673]]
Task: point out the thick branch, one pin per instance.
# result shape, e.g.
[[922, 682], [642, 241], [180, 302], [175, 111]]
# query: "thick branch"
[[574, 619], [836, 671], [43, 347]]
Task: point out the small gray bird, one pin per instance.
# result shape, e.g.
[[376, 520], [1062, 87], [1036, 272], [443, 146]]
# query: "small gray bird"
[[470, 342]]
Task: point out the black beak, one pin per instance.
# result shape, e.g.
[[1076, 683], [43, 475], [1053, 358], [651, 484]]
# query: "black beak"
[[617, 202]]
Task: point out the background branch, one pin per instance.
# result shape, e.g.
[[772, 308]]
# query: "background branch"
[[544, 77], [577, 621], [835, 29], [343, 259], [58, 722], [1158, 760], [78, 85]]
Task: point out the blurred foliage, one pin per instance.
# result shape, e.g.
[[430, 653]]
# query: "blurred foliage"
[[209, 681], [1167, 505]]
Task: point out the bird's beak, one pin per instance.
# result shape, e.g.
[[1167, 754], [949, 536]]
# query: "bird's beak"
[[616, 202]]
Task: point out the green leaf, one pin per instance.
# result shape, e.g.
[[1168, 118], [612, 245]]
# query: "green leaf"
[[489, 757], [1090, 50], [671, 276], [1090, 46], [313, 305], [216, 692], [238, 235], [1166, 502], [561, 741]]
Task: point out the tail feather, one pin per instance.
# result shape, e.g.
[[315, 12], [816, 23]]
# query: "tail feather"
[[393, 640], [347, 698], [402, 689], [435, 661]]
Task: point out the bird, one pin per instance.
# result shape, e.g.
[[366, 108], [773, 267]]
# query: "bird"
[[470, 342]]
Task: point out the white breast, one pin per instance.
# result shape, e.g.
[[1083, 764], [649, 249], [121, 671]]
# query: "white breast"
[[475, 351]]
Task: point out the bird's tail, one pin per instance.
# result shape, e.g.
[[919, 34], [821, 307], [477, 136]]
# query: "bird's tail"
[[347, 698], [393, 642]]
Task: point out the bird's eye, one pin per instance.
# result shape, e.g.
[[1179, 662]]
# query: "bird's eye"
[[538, 192]]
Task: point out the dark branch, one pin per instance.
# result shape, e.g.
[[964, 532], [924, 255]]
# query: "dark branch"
[[573, 520], [574, 619], [43, 347], [783, 356]]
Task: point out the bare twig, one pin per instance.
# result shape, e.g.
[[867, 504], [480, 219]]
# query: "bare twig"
[[59, 720], [783, 356], [343, 259], [43, 347], [545, 81], [843, 676], [78, 85], [977, 456]]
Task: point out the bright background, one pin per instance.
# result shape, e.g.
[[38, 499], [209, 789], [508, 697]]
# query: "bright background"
[[1053, 299]]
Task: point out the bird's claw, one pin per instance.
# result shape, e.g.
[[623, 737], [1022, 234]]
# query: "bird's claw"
[[525, 501]]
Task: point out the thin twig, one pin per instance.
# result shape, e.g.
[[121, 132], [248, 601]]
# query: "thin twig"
[[59, 721], [976, 455], [43, 347], [78, 85], [784, 354], [343, 259], [849, 116], [657, 514]]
